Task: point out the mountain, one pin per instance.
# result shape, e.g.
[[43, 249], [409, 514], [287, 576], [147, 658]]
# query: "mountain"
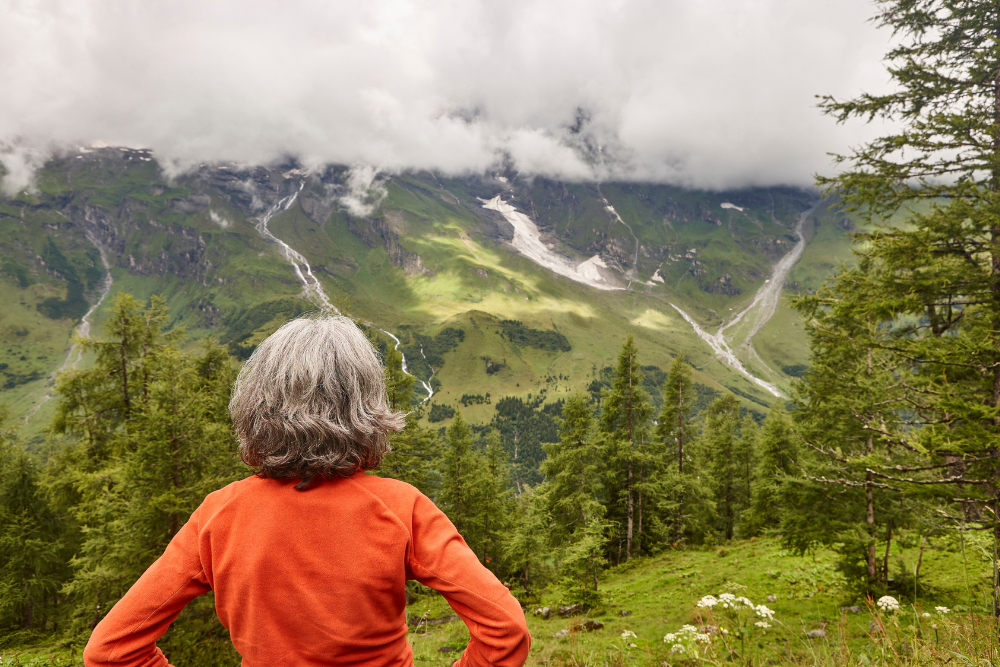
[[495, 284]]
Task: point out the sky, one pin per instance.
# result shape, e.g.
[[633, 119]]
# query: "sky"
[[711, 94]]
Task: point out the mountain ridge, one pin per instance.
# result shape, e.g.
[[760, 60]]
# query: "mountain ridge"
[[427, 255]]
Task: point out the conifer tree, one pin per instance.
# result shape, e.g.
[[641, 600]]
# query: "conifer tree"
[[525, 546], [154, 439], [777, 459], [459, 493], [414, 449], [573, 469], [720, 444], [931, 289], [625, 414], [30, 558], [682, 500], [496, 499]]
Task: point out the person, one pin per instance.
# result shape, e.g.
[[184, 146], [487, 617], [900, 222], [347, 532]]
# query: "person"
[[309, 557]]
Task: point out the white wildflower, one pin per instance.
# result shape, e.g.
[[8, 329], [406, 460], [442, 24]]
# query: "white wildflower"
[[689, 630], [703, 638], [888, 603], [632, 645], [628, 633], [925, 615], [677, 648], [708, 601], [762, 624], [764, 612], [724, 631], [941, 610], [728, 600], [669, 638], [746, 602]]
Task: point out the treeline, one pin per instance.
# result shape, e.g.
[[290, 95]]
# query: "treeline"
[[147, 438], [616, 478]]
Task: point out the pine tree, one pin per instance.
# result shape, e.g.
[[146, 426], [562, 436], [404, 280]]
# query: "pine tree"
[[573, 468], [459, 495], [777, 459], [154, 439], [930, 290], [625, 415], [525, 545], [30, 538], [496, 499], [721, 446], [414, 449], [685, 508]]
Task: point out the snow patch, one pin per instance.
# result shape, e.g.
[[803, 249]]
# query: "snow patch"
[[726, 204], [528, 242]]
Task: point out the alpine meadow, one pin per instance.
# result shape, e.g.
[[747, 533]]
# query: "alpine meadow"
[[683, 421]]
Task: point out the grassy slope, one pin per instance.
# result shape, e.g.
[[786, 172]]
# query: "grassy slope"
[[474, 278], [660, 595]]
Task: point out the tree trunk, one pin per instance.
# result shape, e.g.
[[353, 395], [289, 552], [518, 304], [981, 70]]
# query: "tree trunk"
[[885, 560], [628, 532], [638, 524], [870, 502]]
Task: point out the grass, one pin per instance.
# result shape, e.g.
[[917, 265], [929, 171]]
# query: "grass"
[[659, 595]]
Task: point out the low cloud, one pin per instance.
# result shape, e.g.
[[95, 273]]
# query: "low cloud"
[[715, 93]]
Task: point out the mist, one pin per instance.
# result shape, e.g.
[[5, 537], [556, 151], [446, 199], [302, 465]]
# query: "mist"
[[711, 94]]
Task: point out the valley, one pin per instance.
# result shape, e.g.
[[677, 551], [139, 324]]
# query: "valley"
[[236, 250]]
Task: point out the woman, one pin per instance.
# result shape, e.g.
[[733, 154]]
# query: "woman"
[[309, 558]]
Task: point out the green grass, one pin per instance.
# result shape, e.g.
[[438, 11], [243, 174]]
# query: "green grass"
[[660, 595]]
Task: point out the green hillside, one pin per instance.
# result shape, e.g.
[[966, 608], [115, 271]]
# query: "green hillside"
[[429, 257]]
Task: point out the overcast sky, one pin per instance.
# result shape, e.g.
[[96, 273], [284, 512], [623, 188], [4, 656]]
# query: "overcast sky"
[[708, 93]]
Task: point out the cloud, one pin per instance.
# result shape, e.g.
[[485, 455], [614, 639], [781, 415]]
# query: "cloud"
[[715, 93]]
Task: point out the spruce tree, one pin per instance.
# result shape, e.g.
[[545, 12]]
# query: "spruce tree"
[[525, 545], [414, 449], [496, 503], [574, 471], [720, 443], [625, 415], [31, 564], [459, 497], [777, 459], [931, 289], [684, 506]]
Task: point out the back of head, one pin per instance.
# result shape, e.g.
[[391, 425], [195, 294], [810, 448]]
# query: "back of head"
[[311, 401]]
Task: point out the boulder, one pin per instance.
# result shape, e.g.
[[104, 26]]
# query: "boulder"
[[772, 598], [570, 610], [816, 634], [624, 613], [592, 625], [544, 612], [561, 634]]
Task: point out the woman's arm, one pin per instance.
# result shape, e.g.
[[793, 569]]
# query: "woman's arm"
[[441, 559], [128, 634]]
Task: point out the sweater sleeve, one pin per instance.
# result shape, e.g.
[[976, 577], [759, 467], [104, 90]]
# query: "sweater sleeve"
[[440, 558], [128, 634]]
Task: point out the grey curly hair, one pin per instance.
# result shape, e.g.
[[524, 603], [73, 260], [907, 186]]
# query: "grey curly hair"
[[311, 401]]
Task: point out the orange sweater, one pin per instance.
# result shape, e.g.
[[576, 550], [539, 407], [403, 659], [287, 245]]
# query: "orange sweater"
[[314, 577]]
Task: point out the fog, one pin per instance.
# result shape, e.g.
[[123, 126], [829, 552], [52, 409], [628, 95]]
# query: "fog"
[[714, 93]]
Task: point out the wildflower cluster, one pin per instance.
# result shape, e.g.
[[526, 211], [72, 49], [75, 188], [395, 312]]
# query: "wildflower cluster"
[[888, 603], [627, 636], [685, 640]]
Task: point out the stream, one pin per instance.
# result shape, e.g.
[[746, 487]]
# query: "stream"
[[82, 329], [311, 286]]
